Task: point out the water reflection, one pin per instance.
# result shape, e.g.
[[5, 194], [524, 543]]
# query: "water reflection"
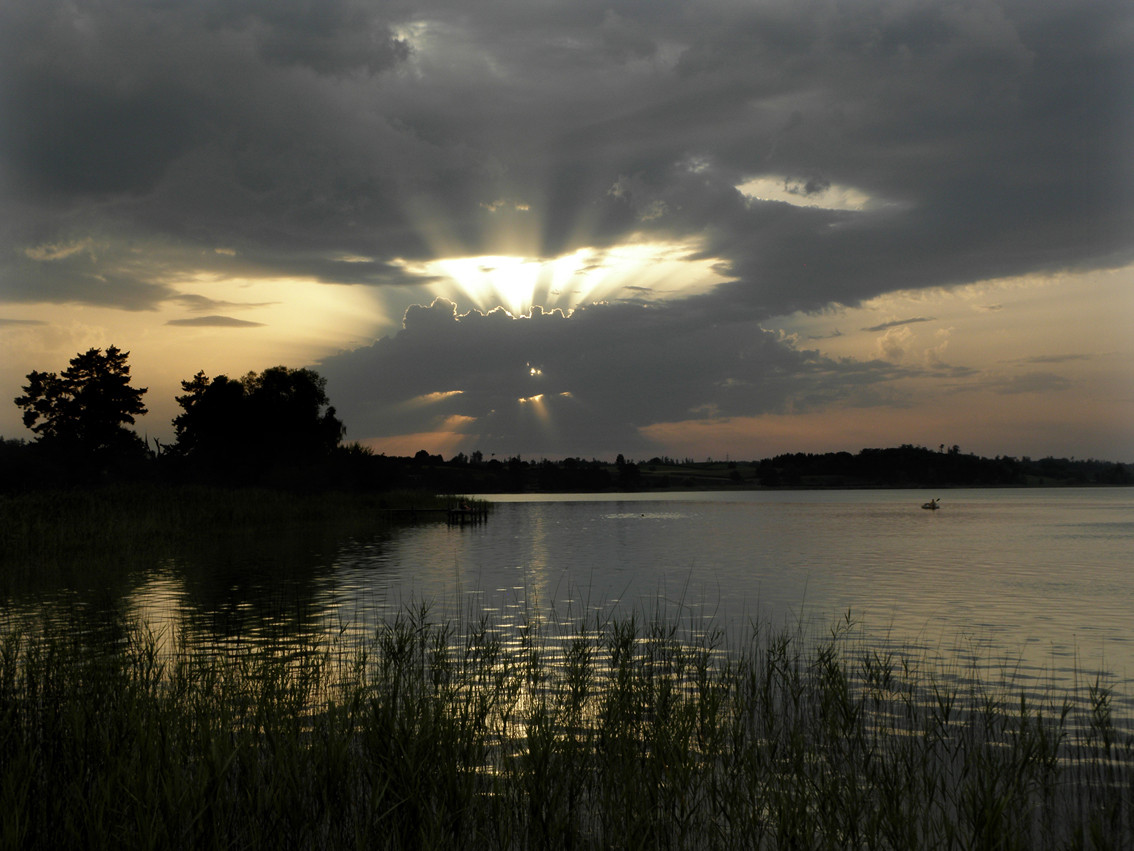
[[1028, 585]]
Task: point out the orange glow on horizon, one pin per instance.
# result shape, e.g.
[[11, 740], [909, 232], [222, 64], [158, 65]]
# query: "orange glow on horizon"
[[985, 426], [444, 443]]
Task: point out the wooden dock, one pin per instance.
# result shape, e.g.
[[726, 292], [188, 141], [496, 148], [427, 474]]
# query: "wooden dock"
[[468, 515], [459, 516]]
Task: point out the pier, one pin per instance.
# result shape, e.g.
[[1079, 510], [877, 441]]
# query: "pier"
[[458, 516]]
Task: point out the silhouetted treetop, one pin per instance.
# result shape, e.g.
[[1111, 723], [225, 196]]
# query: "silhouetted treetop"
[[85, 409], [279, 417]]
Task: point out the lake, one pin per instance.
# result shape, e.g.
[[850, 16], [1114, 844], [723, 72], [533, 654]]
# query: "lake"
[[1030, 584]]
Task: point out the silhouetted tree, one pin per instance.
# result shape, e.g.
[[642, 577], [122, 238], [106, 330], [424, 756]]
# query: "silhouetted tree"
[[214, 425], [629, 475], [277, 418], [81, 414]]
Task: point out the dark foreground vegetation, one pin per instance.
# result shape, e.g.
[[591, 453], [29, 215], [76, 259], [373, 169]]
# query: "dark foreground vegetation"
[[617, 734]]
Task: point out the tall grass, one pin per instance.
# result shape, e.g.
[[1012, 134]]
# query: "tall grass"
[[622, 733]]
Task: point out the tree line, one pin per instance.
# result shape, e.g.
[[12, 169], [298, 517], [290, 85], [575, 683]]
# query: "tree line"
[[278, 428], [262, 426]]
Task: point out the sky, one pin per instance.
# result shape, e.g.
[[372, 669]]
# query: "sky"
[[554, 228]]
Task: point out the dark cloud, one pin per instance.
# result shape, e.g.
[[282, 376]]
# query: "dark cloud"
[[810, 186], [201, 303], [999, 133], [215, 322], [831, 336], [601, 374], [11, 322], [348, 142], [80, 281], [1055, 358], [898, 323], [203, 123], [1031, 382], [334, 37]]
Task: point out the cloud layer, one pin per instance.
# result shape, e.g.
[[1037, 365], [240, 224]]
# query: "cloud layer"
[[815, 154], [585, 384], [993, 139]]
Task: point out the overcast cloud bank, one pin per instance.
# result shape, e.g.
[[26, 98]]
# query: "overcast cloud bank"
[[814, 155]]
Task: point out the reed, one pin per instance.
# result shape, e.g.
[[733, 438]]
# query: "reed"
[[623, 732]]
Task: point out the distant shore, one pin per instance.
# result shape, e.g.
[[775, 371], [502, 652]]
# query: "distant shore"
[[901, 467], [29, 467]]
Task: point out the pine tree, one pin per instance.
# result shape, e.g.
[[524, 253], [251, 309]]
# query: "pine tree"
[[87, 407]]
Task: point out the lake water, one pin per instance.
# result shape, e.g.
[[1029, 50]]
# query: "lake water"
[[1039, 580], [1033, 583]]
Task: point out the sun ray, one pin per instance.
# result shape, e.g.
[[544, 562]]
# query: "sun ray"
[[641, 271]]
